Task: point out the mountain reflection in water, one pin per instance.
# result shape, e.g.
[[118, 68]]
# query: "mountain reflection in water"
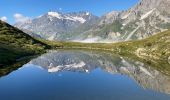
[[83, 75], [85, 62]]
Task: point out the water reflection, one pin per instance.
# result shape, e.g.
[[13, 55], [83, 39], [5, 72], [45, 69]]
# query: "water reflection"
[[83, 75], [85, 62]]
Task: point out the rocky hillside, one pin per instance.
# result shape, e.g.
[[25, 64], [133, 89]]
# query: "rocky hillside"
[[144, 19], [15, 44]]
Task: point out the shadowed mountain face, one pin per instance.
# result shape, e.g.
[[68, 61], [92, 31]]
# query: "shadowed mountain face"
[[86, 62]]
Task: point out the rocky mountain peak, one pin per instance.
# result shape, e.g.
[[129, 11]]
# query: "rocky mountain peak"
[[110, 17], [54, 14], [144, 19]]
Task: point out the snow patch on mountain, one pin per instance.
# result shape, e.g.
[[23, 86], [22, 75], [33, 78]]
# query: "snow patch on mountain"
[[55, 14], [76, 65], [70, 66], [147, 14], [145, 71], [126, 16], [87, 13], [80, 19], [54, 69], [67, 17], [131, 34], [76, 18]]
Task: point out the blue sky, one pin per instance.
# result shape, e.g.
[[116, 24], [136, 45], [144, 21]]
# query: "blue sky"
[[33, 8]]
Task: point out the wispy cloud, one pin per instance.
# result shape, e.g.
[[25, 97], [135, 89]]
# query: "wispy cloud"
[[4, 18], [20, 18]]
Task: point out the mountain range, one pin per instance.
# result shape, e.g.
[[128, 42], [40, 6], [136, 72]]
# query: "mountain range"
[[144, 19], [59, 26]]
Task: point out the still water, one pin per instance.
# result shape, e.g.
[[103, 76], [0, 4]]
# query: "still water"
[[84, 75]]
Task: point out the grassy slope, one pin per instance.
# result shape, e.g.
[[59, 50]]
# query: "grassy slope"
[[154, 50], [156, 47], [15, 44]]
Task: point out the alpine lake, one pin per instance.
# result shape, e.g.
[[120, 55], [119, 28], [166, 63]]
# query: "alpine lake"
[[83, 75]]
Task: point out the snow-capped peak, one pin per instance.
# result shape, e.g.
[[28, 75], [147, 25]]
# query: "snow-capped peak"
[[87, 13], [80, 19], [55, 14], [67, 17], [66, 67]]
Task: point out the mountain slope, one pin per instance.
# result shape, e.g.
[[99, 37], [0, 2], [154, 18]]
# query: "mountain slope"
[[143, 20], [148, 17], [15, 44]]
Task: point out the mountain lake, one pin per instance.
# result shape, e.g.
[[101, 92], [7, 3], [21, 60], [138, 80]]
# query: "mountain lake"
[[83, 75]]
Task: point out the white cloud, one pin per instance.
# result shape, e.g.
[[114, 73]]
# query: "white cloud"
[[4, 18], [20, 18]]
